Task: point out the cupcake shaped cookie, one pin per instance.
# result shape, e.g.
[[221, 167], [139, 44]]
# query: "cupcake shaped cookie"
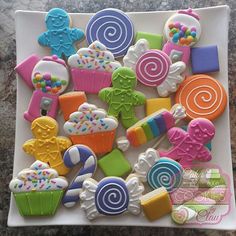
[[92, 67], [38, 190], [92, 127]]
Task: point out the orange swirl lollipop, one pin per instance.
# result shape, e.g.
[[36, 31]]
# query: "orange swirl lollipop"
[[202, 96]]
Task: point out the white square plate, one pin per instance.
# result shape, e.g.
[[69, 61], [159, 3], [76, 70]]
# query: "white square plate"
[[29, 25]]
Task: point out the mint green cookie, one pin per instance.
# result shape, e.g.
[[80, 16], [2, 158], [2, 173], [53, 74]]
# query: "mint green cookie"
[[155, 40], [121, 97], [114, 164]]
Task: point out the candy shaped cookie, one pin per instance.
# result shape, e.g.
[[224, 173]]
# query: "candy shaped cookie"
[[182, 30], [154, 68], [189, 146], [49, 77], [121, 97], [47, 146], [92, 68], [113, 28], [92, 127], [60, 37], [154, 125], [111, 196], [74, 156], [202, 96], [158, 172], [38, 190]]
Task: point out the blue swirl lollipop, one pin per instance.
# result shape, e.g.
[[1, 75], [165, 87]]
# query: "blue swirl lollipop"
[[113, 28]]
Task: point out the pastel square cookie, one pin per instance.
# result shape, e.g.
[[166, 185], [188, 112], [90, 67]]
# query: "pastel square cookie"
[[205, 59], [155, 40], [156, 204], [114, 164], [155, 104]]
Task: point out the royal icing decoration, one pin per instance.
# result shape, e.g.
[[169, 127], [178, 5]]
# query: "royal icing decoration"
[[39, 177], [59, 36], [88, 120], [95, 57], [49, 76], [122, 98], [183, 28], [189, 146], [74, 156], [154, 125], [46, 146], [158, 172], [154, 68], [113, 28], [111, 196], [122, 143], [202, 96]]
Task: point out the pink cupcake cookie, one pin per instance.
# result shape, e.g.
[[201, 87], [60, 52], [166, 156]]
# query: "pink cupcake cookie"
[[92, 67]]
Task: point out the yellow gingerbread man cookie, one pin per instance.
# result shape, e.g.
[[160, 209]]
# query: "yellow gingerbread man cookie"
[[47, 146]]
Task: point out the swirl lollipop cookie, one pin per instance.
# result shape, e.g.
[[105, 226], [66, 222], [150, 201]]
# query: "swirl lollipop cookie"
[[113, 28], [154, 68], [111, 196], [74, 156], [202, 96], [158, 172]]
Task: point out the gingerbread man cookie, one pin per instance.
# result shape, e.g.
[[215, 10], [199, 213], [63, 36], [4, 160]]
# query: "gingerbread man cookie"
[[46, 146], [122, 97], [189, 146], [59, 36]]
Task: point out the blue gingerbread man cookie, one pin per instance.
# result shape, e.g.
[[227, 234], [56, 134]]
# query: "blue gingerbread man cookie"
[[59, 36]]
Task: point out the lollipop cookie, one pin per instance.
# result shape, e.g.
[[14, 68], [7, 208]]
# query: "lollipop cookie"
[[38, 190], [202, 96], [182, 30], [49, 77], [154, 125], [92, 68], [158, 172], [74, 156], [59, 36], [154, 68], [113, 28], [92, 127], [111, 196]]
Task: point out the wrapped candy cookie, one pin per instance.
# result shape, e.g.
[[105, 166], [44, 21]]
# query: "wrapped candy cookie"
[[38, 190], [49, 77], [154, 68], [111, 196], [182, 30]]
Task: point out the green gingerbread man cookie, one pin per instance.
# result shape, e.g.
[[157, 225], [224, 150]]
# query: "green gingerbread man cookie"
[[122, 97]]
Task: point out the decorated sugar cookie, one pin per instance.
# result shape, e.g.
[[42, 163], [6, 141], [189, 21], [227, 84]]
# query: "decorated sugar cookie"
[[92, 68], [154, 125], [113, 28], [49, 77], [46, 145], [158, 172], [38, 190], [189, 146], [92, 127], [121, 97], [182, 30], [60, 37], [154, 68], [111, 196], [74, 156], [202, 96]]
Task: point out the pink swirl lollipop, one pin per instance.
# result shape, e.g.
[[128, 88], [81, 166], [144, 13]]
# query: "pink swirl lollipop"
[[152, 68]]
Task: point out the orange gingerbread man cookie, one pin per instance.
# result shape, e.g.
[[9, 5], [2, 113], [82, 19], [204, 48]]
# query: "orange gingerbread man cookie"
[[47, 146], [202, 96]]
